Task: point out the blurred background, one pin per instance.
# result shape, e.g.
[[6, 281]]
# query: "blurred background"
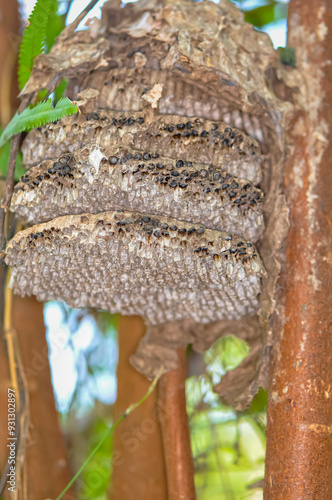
[[228, 446]]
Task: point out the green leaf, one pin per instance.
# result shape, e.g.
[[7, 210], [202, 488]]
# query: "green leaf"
[[259, 403], [41, 114], [287, 56], [33, 39], [225, 354], [60, 90], [42, 94], [55, 25], [100, 462], [266, 14], [4, 158]]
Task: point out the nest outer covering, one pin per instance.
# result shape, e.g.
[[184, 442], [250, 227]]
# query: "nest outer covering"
[[212, 65]]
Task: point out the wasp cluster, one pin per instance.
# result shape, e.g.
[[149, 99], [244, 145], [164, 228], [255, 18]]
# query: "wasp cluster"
[[94, 179], [205, 141]]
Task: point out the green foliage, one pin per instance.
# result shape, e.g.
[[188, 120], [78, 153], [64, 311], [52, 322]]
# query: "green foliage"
[[41, 114], [225, 354], [96, 476], [287, 56], [4, 157], [106, 320], [266, 14], [55, 25], [60, 90], [33, 39], [42, 94], [110, 431], [259, 403], [45, 24], [228, 447]]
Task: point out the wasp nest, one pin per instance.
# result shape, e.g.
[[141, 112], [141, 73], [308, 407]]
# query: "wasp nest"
[[155, 210]]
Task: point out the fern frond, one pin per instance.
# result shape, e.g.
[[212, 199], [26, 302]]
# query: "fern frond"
[[33, 39], [41, 114], [56, 23]]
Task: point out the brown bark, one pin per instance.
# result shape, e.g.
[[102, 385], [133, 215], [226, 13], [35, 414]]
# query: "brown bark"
[[46, 463], [138, 462], [176, 436], [9, 43], [46, 470], [299, 441], [4, 384]]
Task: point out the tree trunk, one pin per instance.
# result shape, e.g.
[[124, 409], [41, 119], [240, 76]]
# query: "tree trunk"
[[9, 44], [46, 462], [299, 441], [175, 429], [46, 470], [4, 384], [138, 460]]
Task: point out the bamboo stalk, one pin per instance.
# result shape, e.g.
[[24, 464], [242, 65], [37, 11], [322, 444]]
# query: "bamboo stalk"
[[138, 460]]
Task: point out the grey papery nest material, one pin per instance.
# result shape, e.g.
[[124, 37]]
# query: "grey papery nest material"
[[187, 281], [95, 180], [135, 263], [177, 137]]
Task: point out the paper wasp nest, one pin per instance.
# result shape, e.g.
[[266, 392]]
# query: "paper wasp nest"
[[151, 199]]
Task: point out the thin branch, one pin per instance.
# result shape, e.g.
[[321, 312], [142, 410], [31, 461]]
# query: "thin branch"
[[69, 4], [19, 384], [5, 204], [127, 412], [5, 473], [69, 30], [175, 431]]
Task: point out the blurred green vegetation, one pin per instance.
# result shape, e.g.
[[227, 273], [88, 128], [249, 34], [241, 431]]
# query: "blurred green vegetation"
[[4, 157], [228, 446], [261, 13], [267, 15]]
